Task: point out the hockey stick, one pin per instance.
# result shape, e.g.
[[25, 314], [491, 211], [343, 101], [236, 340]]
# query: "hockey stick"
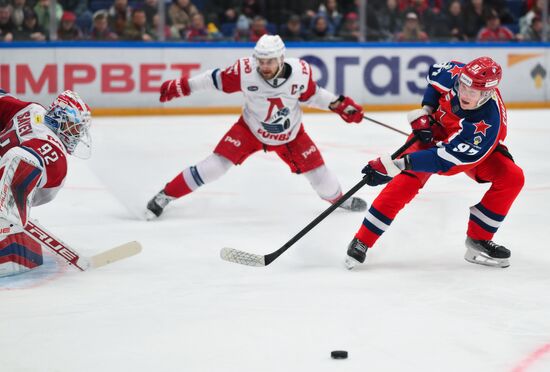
[[250, 259], [39, 234], [385, 125]]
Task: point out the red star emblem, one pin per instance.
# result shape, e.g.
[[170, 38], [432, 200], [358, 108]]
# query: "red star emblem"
[[455, 71], [481, 127]]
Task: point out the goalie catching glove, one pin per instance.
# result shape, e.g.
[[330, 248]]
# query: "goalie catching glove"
[[350, 111], [171, 89]]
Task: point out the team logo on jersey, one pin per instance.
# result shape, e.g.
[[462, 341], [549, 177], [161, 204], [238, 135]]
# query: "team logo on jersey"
[[252, 88], [279, 122], [455, 71], [481, 127], [477, 140]]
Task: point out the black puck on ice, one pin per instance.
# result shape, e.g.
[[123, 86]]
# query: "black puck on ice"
[[339, 354]]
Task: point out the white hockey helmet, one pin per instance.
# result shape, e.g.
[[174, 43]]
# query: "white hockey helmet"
[[69, 117], [270, 46]]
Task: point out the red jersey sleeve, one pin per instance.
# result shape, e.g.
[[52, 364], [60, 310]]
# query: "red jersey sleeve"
[[53, 158], [231, 78], [9, 106], [311, 85]]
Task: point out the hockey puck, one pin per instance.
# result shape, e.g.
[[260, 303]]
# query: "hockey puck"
[[339, 354]]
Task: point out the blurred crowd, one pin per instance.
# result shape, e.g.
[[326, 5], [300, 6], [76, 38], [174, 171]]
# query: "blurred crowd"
[[295, 20]]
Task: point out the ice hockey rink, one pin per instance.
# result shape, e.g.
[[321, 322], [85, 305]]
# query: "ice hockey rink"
[[416, 305]]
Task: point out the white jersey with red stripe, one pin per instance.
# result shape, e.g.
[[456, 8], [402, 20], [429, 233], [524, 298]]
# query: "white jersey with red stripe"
[[271, 108], [22, 125]]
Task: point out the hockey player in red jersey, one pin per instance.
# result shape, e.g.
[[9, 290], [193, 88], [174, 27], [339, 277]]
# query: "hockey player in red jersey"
[[34, 143], [468, 134], [273, 88]]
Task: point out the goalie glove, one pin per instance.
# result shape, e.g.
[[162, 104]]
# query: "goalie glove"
[[350, 111], [171, 89]]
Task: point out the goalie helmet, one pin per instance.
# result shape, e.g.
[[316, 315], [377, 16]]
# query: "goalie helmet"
[[482, 74], [70, 118]]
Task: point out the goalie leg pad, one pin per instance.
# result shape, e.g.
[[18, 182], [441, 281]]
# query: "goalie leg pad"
[[20, 174], [19, 254]]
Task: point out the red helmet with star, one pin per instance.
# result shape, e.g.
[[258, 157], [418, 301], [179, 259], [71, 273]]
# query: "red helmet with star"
[[482, 73]]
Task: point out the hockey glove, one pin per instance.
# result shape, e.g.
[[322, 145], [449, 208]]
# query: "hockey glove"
[[420, 124], [380, 171], [171, 89], [350, 111]]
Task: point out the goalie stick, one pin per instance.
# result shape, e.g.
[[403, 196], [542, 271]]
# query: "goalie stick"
[[38, 233], [250, 259]]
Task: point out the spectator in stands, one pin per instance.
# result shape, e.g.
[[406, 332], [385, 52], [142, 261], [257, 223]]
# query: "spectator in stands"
[[525, 22], [474, 17], [501, 7], [42, 10], [119, 16], [197, 29], [292, 30], [320, 30], [253, 8], [150, 7], [180, 13], [258, 28], [137, 30], [426, 16], [455, 21], [242, 30], [30, 30], [100, 29], [80, 9], [6, 25], [389, 19], [412, 30], [535, 32], [329, 8], [169, 32], [17, 11], [349, 31], [68, 30], [493, 30], [374, 30]]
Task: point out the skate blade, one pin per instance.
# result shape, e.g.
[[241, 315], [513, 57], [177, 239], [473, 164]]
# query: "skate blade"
[[350, 262], [150, 216], [482, 259]]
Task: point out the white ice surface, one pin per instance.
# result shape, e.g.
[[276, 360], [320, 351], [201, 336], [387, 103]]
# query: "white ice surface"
[[416, 305]]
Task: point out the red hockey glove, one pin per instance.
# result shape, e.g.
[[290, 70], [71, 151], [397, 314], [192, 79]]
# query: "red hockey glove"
[[420, 124], [350, 111], [171, 89], [380, 171]]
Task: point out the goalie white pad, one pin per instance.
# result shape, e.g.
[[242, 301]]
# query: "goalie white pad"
[[20, 174]]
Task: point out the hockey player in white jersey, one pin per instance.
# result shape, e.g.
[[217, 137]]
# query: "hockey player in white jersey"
[[34, 143], [273, 88]]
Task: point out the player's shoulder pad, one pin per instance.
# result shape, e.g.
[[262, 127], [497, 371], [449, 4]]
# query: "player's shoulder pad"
[[442, 76]]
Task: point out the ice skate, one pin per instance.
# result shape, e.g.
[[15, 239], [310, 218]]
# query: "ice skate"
[[486, 252], [354, 204], [356, 254], [156, 206]]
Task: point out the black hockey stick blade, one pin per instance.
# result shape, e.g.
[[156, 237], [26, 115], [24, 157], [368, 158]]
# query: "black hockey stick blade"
[[251, 259]]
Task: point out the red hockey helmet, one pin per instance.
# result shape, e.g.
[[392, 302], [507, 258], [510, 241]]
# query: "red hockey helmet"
[[482, 73]]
